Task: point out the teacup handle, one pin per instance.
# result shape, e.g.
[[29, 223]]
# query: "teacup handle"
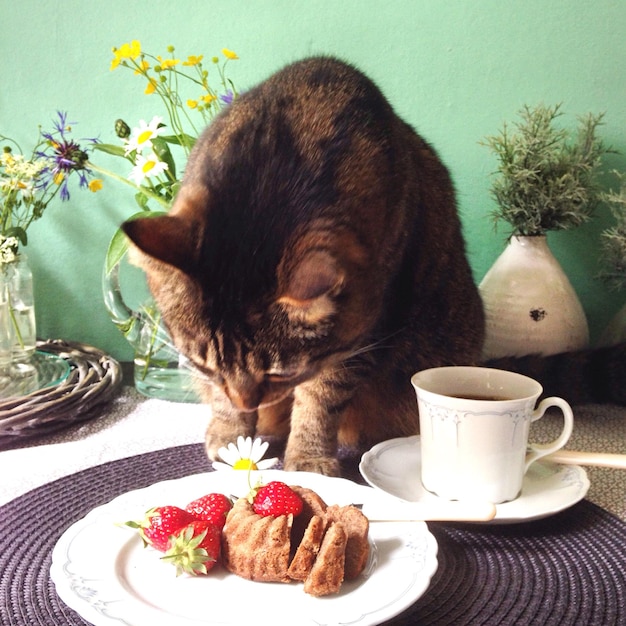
[[538, 450]]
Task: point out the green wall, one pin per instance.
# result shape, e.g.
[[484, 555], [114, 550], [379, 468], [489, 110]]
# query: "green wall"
[[455, 70]]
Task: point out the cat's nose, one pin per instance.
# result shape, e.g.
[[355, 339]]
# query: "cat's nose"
[[245, 398]]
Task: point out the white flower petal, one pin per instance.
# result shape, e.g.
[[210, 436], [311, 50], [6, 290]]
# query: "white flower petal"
[[217, 465], [142, 135], [259, 447], [245, 446], [229, 454], [266, 463], [154, 124]]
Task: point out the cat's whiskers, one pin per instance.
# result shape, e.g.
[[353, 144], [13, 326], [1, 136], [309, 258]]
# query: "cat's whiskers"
[[376, 345], [193, 370]]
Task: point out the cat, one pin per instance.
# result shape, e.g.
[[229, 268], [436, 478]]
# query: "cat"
[[313, 260]]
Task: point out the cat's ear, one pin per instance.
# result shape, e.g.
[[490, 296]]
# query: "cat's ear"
[[308, 287], [166, 238]]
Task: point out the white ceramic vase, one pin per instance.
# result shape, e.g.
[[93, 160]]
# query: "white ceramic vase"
[[530, 304]]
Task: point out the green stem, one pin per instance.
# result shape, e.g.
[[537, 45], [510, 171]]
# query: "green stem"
[[151, 351], [16, 326], [145, 190]]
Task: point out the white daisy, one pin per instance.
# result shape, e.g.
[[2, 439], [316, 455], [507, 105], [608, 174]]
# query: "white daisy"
[[142, 135], [146, 167], [8, 249], [246, 455]]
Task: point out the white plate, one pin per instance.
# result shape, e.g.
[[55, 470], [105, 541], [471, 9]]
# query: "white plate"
[[394, 467], [101, 570]]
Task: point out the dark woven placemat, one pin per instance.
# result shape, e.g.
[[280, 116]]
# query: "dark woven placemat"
[[568, 569]]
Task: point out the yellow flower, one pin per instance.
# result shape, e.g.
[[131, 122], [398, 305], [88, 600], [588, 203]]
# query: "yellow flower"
[[192, 104], [144, 66], [229, 54], [167, 64], [127, 51], [151, 87], [58, 178], [135, 49], [193, 60], [209, 98], [7, 159], [95, 185]]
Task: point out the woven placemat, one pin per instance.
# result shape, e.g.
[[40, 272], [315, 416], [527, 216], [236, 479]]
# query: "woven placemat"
[[568, 569], [93, 380]]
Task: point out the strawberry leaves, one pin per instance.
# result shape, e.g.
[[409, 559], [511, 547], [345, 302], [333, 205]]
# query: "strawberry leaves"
[[195, 549]]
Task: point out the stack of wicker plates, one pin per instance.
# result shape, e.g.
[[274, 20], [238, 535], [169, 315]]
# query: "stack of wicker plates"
[[73, 382]]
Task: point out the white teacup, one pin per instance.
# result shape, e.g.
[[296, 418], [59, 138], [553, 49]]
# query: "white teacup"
[[474, 425]]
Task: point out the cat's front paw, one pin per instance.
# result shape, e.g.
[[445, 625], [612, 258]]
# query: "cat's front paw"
[[328, 466], [219, 436]]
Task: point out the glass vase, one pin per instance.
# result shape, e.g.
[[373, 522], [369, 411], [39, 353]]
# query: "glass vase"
[[160, 370], [18, 319], [18, 337]]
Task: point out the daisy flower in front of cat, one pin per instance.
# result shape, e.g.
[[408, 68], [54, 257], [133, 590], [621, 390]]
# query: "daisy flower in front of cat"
[[247, 454]]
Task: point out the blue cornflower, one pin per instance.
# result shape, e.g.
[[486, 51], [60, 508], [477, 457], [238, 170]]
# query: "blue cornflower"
[[228, 97], [63, 156]]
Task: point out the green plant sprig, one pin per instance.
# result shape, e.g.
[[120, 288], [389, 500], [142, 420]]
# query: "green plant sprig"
[[546, 178], [613, 239]]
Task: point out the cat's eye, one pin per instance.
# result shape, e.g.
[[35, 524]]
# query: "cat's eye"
[[202, 369], [275, 376]]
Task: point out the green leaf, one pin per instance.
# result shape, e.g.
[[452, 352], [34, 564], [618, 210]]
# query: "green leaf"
[[19, 232], [110, 148], [118, 246], [179, 140], [162, 150], [142, 201], [116, 250]]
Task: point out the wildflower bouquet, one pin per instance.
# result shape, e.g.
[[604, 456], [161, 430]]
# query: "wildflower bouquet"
[[28, 183], [190, 93], [153, 148]]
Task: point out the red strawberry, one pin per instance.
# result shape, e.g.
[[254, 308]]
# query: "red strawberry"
[[276, 498], [160, 524], [213, 507], [195, 549]]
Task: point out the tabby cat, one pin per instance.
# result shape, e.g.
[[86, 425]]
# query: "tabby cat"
[[312, 262]]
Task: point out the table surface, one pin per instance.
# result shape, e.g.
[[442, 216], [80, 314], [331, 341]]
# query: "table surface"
[[135, 440], [134, 424]]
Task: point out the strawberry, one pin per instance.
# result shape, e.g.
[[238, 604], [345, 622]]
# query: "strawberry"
[[160, 524], [276, 498], [212, 507], [195, 549]]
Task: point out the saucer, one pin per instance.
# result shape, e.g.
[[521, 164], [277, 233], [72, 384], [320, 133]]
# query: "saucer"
[[394, 467]]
